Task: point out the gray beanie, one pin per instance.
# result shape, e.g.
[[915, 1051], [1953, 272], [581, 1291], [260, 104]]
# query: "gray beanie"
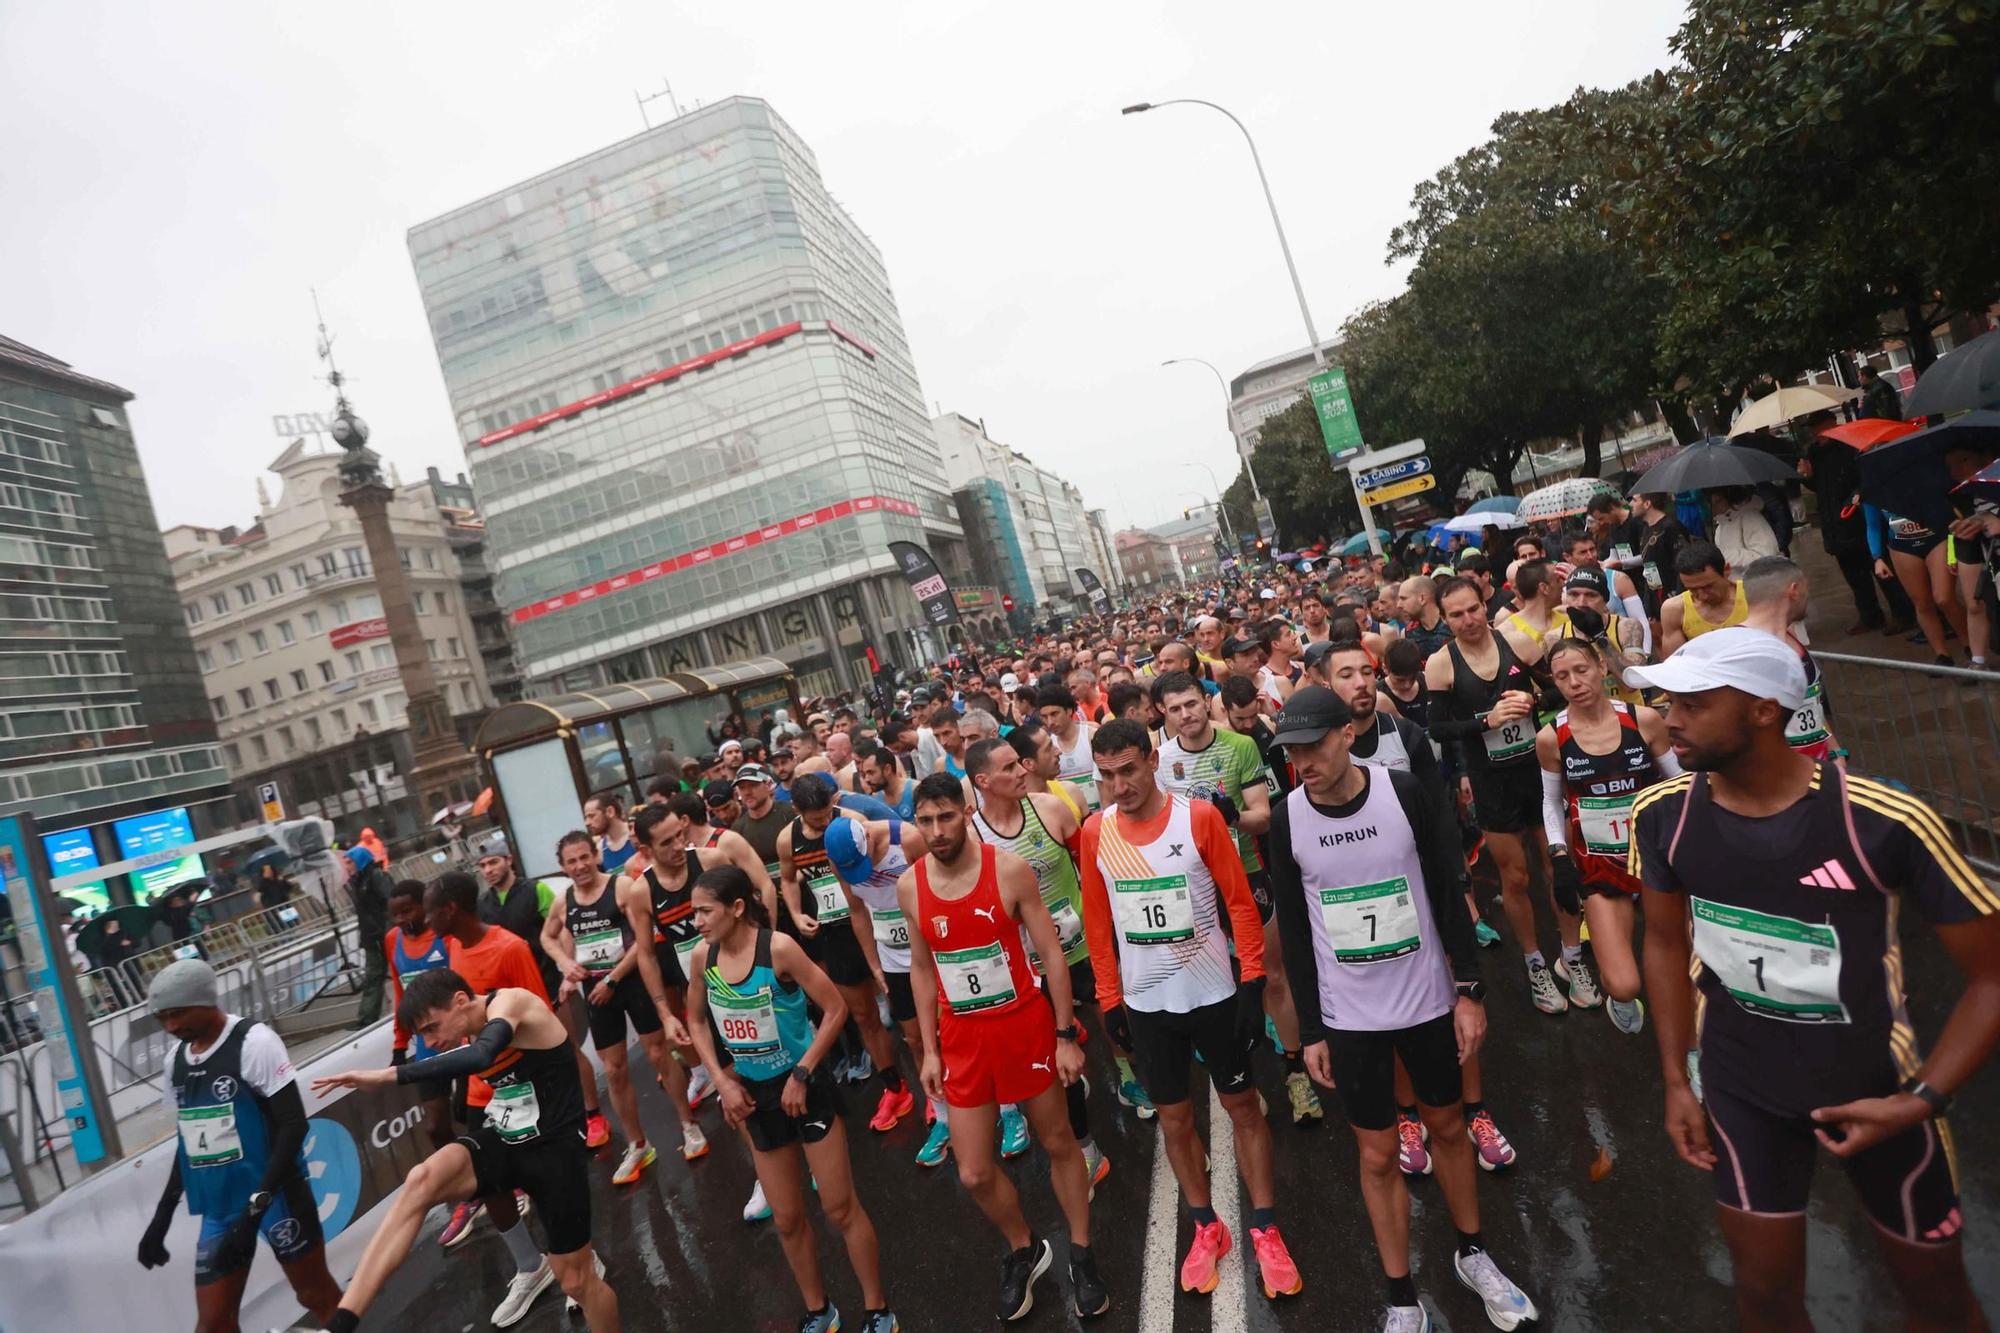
[[187, 983]]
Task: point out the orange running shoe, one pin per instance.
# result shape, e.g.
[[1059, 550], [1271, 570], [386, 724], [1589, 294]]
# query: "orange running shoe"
[[1211, 1242], [1274, 1263], [892, 1108], [596, 1130]]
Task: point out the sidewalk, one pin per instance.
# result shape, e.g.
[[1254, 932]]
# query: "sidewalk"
[[1831, 609]]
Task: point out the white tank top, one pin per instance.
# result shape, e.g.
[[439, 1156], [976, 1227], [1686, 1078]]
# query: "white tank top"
[[1382, 965], [1390, 752], [878, 894], [1166, 916], [1079, 765]]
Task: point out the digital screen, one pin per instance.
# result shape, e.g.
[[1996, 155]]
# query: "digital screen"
[[158, 831], [72, 850]]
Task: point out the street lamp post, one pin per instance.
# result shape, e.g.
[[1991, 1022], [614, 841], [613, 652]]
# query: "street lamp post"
[[1229, 414]]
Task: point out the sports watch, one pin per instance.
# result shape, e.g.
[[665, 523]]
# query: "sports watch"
[[1939, 1102], [1066, 1034], [1472, 990]]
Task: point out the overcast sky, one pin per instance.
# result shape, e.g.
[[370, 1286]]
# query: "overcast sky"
[[178, 176]]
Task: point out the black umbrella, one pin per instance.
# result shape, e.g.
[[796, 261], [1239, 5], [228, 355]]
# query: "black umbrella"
[[1966, 377], [1908, 476], [1707, 464]]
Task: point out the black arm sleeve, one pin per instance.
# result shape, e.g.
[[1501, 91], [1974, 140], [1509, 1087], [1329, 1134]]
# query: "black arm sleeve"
[[1288, 896], [287, 1112], [170, 1197], [471, 1058], [1438, 853], [1424, 767]]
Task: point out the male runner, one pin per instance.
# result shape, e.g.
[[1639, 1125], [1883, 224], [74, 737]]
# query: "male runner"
[[1782, 877], [1423, 619], [867, 857], [721, 846], [1709, 599], [530, 1138], [765, 816], [951, 743], [1775, 589], [413, 947], [236, 1104], [1200, 761], [1365, 869], [883, 776], [1620, 592], [1057, 707], [1532, 627], [1164, 981], [604, 819], [991, 1037]]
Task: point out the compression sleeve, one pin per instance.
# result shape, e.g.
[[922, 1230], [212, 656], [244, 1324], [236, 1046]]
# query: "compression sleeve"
[[1555, 810], [1294, 929], [287, 1113], [1439, 855], [476, 1055], [1670, 767], [1878, 531]]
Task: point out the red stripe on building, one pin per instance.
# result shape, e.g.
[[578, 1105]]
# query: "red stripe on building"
[[714, 550], [839, 332], [647, 381]]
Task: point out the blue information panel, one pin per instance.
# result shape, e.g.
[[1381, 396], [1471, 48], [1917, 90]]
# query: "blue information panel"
[[41, 941], [70, 851], [150, 834]]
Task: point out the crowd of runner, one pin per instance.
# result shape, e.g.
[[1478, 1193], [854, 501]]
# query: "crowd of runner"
[[1276, 809]]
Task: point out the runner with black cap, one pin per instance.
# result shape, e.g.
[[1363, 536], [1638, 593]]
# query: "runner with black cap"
[[1780, 878], [1618, 637]]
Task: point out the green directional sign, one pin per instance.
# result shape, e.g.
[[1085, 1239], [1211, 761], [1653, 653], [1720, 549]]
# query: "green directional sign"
[[1337, 424]]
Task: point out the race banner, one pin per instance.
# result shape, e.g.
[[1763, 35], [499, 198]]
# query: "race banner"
[[927, 582], [1100, 600]]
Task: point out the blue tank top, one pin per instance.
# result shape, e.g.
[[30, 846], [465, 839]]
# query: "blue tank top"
[[225, 1136], [761, 1018], [431, 956]]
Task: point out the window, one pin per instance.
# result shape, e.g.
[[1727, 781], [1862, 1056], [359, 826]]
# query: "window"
[[383, 655], [340, 610], [340, 720], [206, 659], [258, 750], [220, 601], [271, 690], [245, 698], [230, 652], [298, 573], [431, 649], [452, 646], [274, 585], [285, 741], [327, 564], [192, 610], [314, 736], [430, 558], [258, 643], [369, 711], [417, 602], [245, 594], [299, 682], [312, 622], [444, 604], [465, 694], [232, 755], [285, 634], [218, 706], [357, 560], [353, 660], [326, 673]]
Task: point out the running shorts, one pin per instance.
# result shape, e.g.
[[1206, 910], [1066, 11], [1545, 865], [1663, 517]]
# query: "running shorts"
[[1764, 1164], [1164, 1044], [1006, 1057], [1082, 984], [1364, 1069], [1921, 547], [1260, 889], [841, 957], [1508, 797], [902, 1000], [553, 1171], [1600, 874], [628, 1001], [772, 1128], [290, 1226]]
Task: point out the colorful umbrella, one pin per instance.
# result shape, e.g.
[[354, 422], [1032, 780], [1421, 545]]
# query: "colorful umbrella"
[[1562, 499], [1476, 522], [1358, 543], [1869, 431]]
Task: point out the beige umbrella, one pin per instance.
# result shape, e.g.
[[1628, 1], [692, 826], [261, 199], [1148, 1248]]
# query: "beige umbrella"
[[1790, 403]]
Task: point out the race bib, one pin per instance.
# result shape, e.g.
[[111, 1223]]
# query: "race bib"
[[1271, 781], [208, 1135], [829, 900], [1509, 740], [1653, 579], [1087, 785], [748, 1023], [1620, 554], [514, 1113], [891, 930], [1606, 822], [600, 950], [1773, 966], [1069, 929], [1808, 724], [975, 979], [1154, 911], [684, 950], [1371, 923]]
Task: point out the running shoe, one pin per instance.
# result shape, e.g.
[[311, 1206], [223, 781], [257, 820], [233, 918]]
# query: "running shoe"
[[1018, 1273], [1494, 1150], [1582, 983], [881, 1321], [1406, 1319], [895, 1104], [1198, 1270], [1274, 1264], [1412, 1151], [1013, 1132], [1487, 937], [1131, 1095], [458, 1228], [1507, 1306], [572, 1307], [522, 1289], [826, 1321], [1096, 1166], [1542, 989], [757, 1209], [596, 1130], [637, 1158], [694, 1143], [938, 1146], [1306, 1109], [700, 1086], [1271, 1031], [522, 1204], [1628, 1016], [1694, 1074], [1092, 1299]]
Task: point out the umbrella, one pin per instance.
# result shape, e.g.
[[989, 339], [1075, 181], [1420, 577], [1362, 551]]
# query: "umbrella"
[[1794, 400], [1710, 463], [1562, 499], [1477, 523], [458, 811], [1908, 476], [1869, 431], [276, 856], [1495, 504], [1966, 377], [1358, 543]]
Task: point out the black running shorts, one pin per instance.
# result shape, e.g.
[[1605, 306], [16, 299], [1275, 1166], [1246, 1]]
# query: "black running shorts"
[[1508, 797], [902, 1000], [1364, 1069], [628, 1001], [840, 955], [554, 1172], [1164, 1046], [772, 1128]]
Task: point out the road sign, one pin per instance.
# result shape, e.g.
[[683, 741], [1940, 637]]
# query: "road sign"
[[1337, 423], [1397, 490], [274, 804], [1007, 602], [1267, 523], [1374, 458], [1381, 476]]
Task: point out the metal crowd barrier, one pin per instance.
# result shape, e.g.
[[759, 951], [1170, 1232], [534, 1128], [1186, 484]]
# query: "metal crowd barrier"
[[1929, 730]]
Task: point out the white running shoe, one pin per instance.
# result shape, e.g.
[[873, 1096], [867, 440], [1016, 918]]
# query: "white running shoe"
[[1582, 982], [758, 1209], [694, 1143], [572, 1307], [522, 1289], [1628, 1016], [700, 1086], [1542, 989], [1507, 1306], [1406, 1319]]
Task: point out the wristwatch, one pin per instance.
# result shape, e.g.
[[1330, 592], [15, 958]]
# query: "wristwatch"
[[258, 1203], [802, 1074], [1472, 990], [1939, 1102], [1066, 1034]]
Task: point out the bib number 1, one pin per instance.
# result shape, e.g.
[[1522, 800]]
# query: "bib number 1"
[[1773, 966]]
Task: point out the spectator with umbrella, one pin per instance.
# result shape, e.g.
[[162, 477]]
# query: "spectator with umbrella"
[[1741, 532], [1832, 469], [1879, 397]]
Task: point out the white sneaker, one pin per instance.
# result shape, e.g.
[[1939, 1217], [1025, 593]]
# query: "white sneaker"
[[758, 1209], [1628, 1016], [700, 1086], [1582, 982], [522, 1289], [1406, 1319], [694, 1143], [571, 1305], [1542, 989], [1507, 1306]]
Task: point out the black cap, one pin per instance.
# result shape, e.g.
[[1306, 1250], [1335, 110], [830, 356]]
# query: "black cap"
[[1587, 576], [1309, 714], [1241, 644], [716, 793]]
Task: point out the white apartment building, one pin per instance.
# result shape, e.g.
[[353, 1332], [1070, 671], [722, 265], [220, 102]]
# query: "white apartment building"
[[1268, 388], [288, 628]]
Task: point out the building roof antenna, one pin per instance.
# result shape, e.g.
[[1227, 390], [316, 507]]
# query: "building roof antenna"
[[665, 95]]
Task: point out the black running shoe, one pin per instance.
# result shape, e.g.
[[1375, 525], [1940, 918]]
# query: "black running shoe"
[[1018, 1272], [1091, 1297]]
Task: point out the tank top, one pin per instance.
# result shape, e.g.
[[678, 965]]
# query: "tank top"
[[762, 1018], [1078, 765], [1600, 788], [1613, 686], [673, 915], [1166, 916], [225, 1137], [1473, 696], [714, 837], [610, 859], [981, 965], [1055, 875], [1389, 750], [1694, 624], [536, 1094], [885, 911], [1806, 730], [598, 931], [430, 954], [819, 887], [1559, 626]]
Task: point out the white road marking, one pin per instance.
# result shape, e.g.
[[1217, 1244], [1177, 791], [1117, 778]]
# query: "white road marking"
[[1229, 1313], [1160, 1273]]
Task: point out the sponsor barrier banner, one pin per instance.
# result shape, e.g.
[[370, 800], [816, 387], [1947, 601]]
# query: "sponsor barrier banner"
[[927, 582], [1100, 600]]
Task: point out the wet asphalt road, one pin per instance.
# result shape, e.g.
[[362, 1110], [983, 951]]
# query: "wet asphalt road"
[[1635, 1251]]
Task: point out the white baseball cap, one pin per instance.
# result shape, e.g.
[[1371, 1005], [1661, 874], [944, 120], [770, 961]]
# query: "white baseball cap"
[[1759, 664], [1009, 682]]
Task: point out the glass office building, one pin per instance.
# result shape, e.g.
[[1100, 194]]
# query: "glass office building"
[[691, 417]]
